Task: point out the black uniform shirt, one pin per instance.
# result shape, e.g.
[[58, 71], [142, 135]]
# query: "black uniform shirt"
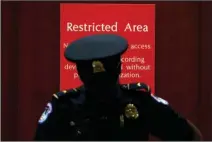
[[70, 115]]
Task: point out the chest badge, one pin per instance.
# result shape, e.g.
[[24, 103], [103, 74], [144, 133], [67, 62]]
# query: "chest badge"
[[131, 111], [97, 67]]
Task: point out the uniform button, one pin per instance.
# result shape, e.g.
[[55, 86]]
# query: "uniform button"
[[72, 123], [78, 132]]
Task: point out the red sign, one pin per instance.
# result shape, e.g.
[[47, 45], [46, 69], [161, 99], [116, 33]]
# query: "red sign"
[[135, 22]]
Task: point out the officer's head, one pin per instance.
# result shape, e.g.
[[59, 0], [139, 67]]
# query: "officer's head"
[[97, 58]]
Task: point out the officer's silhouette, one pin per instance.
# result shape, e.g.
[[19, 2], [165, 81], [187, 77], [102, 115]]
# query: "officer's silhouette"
[[103, 109]]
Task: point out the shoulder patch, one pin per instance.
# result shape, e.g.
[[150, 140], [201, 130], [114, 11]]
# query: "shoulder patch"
[[73, 91], [46, 113], [137, 86], [160, 100]]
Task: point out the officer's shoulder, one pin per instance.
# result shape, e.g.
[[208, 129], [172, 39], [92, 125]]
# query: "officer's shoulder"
[[143, 91], [136, 87], [69, 93]]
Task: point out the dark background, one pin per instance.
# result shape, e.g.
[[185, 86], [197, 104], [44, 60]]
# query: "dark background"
[[30, 62]]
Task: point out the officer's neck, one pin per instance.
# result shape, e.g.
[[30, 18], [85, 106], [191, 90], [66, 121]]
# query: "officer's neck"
[[109, 94]]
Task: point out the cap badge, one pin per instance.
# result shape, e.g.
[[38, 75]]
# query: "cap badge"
[[98, 67], [131, 111]]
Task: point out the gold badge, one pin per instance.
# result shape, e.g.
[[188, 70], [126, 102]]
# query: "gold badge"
[[98, 67], [131, 111], [122, 121]]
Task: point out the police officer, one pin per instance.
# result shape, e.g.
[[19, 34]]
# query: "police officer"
[[102, 109]]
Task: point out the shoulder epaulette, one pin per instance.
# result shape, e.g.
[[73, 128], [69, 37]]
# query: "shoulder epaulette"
[[137, 86], [73, 92]]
